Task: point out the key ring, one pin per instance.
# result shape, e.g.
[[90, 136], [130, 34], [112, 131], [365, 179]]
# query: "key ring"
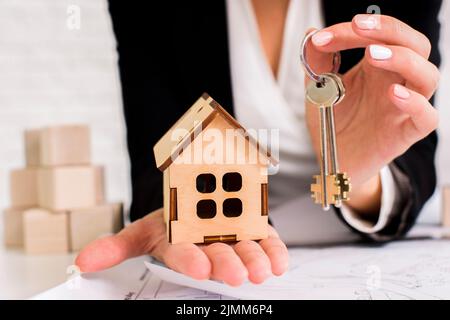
[[314, 76]]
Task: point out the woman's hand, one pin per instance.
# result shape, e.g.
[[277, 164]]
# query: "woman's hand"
[[386, 108], [230, 263]]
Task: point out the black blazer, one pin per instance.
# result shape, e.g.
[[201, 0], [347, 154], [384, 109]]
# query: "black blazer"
[[170, 53]]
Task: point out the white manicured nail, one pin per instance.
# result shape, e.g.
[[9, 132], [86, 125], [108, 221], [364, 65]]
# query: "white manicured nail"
[[365, 22], [378, 52], [322, 38], [401, 92]]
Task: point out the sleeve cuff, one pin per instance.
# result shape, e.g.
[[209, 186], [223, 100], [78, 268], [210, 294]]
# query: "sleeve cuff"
[[388, 195]]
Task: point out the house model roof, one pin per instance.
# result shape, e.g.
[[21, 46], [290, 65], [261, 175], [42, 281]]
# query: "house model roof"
[[196, 119]]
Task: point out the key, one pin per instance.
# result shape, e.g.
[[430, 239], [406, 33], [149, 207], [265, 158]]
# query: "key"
[[341, 178], [331, 187]]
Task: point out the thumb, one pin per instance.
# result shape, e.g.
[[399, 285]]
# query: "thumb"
[[141, 237], [319, 62], [102, 254]]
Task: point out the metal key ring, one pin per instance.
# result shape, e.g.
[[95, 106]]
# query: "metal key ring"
[[314, 76]]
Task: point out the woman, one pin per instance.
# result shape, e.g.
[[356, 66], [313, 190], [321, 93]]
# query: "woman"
[[245, 54]]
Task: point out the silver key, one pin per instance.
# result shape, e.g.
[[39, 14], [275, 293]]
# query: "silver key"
[[331, 186]]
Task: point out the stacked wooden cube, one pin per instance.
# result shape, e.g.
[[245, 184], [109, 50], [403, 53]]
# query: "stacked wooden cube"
[[446, 206], [57, 201]]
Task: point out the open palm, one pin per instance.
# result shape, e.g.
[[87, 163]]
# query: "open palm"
[[232, 264]]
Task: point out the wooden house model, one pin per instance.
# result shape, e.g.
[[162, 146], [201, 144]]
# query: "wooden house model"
[[214, 190]]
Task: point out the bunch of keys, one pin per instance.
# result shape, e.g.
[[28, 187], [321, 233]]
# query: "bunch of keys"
[[325, 91]]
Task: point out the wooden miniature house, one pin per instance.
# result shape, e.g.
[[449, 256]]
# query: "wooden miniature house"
[[214, 190]]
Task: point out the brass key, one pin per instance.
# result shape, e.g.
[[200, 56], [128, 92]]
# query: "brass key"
[[331, 187]]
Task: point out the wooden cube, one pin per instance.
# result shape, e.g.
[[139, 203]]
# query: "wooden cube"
[[33, 147], [446, 206], [118, 220], [63, 188], [65, 145], [45, 232], [23, 187], [13, 227], [88, 224]]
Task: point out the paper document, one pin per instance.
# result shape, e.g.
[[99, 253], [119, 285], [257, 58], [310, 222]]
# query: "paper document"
[[410, 269], [401, 270], [129, 281]]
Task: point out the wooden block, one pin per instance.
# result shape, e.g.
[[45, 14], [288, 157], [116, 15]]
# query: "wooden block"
[[23, 187], [99, 178], [65, 145], [63, 188], [118, 218], [88, 224], [13, 227], [446, 206], [33, 147], [45, 232]]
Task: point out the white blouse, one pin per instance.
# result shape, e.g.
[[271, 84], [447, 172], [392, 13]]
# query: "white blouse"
[[262, 101]]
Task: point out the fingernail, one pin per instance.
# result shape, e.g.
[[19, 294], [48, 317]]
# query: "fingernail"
[[401, 92], [378, 52], [366, 22], [322, 38]]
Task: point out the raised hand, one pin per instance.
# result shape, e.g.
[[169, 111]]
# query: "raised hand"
[[386, 108]]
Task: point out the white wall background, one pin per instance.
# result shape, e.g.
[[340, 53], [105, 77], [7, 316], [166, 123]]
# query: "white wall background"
[[443, 104], [51, 74]]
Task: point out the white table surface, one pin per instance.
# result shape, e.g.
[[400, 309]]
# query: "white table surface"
[[22, 276]]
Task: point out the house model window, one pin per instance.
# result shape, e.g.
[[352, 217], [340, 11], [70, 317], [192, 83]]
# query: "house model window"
[[206, 183], [212, 199], [231, 207]]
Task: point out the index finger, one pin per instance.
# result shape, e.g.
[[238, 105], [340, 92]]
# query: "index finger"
[[391, 31], [371, 29]]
